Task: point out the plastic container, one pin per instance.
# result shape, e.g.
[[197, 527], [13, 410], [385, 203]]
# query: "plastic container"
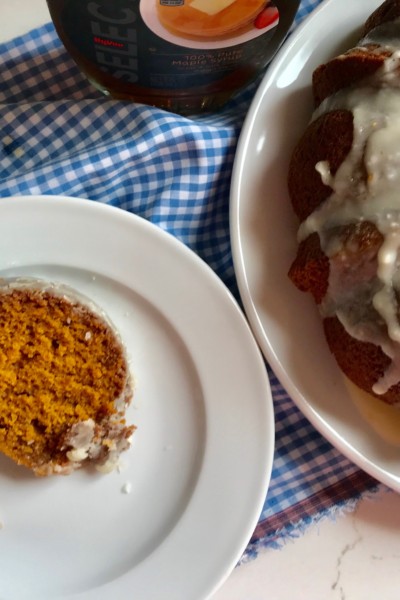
[[185, 56]]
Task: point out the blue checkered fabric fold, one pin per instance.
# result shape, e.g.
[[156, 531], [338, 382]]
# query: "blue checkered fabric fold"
[[60, 136]]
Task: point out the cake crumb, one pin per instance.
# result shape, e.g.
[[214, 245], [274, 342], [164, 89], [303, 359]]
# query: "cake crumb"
[[126, 488], [122, 465]]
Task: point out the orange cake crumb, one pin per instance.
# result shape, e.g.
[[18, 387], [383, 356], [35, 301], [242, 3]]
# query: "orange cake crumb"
[[64, 381]]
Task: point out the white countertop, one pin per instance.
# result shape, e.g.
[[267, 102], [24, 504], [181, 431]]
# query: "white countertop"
[[354, 557]]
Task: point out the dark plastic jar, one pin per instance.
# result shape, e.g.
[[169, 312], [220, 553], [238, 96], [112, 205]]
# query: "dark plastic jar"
[[185, 56]]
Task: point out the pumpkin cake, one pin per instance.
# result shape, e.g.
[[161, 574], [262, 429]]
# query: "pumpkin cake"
[[64, 380], [344, 181]]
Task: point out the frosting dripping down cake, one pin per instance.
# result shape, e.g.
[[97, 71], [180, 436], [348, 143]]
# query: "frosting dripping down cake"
[[344, 185]]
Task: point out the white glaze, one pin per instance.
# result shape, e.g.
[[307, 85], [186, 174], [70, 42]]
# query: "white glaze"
[[365, 188]]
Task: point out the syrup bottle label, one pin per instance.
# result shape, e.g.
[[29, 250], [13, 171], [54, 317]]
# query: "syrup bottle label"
[[171, 44]]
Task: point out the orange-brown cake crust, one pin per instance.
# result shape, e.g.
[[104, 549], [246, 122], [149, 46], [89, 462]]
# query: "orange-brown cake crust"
[[356, 64], [385, 13], [61, 366], [346, 70], [363, 363], [310, 269], [359, 246], [328, 138]]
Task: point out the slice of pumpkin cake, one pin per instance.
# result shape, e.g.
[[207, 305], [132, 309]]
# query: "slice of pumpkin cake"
[[65, 381]]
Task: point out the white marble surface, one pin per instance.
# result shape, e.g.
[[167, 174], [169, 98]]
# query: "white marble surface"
[[354, 557]]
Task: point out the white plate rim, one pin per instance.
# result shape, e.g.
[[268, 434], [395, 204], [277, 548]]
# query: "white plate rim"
[[312, 26], [171, 557]]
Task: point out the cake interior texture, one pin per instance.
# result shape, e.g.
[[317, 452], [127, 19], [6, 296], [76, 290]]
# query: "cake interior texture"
[[64, 381]]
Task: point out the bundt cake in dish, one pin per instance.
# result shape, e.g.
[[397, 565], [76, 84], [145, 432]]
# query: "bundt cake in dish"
[[344, 185], [65, 381]]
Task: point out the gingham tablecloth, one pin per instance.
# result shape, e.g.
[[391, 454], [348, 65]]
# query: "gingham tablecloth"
[[60, 136]]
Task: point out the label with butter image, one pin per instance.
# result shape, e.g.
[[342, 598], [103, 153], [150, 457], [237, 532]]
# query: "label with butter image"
[[209, 23]]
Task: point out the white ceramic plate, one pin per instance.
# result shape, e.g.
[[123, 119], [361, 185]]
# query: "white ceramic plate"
[[202, 456], [284, 320]]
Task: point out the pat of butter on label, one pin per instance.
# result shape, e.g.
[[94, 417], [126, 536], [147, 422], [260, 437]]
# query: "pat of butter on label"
[[211, 7]]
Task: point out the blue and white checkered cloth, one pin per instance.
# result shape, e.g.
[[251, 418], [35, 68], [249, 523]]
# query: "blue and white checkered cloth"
[[60, 136]]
